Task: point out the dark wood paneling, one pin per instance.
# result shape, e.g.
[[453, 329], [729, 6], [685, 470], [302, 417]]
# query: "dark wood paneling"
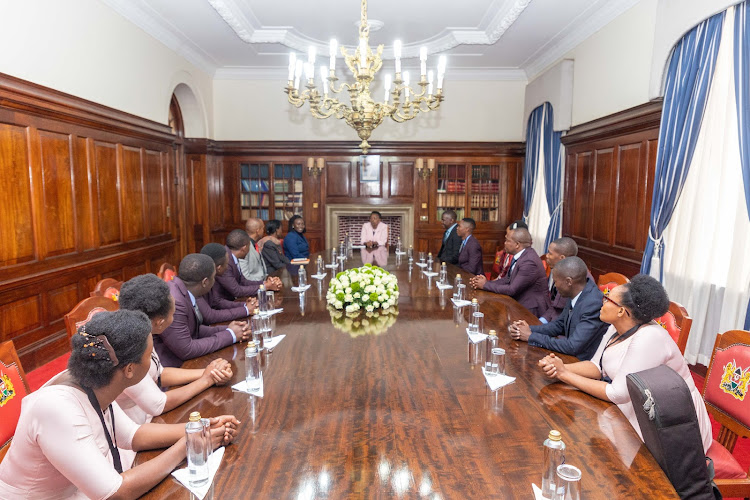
[[17, 241], [401, 179], [338, 180], [609, 182], [107, 191], [132, 195], [58, 218], [154, 175]]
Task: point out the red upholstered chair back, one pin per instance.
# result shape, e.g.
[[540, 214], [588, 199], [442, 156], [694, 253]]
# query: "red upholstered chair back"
[[167, 272], [84, 310], [502, 260], [608, 281], [547, 269], [677, 322], [13, 388], [108, 287]]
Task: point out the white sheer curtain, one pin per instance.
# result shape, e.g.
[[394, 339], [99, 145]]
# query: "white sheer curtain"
[[539, 213], [706, 262]]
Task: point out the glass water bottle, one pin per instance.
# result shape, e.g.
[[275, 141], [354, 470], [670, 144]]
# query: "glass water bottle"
[[252, 366], [443, 274], [554, 455], [197, 450], [302, 277]]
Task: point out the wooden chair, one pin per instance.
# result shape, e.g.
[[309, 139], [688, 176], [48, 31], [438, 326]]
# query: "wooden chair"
[[608, 281], [677, 322], [13, 388], [84, 310], [167, 272], [727, 395], [502, 260], [108, 287]]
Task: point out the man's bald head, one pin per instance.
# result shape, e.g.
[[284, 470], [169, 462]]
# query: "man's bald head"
[[571, 267], [254, 227], [522, 236]]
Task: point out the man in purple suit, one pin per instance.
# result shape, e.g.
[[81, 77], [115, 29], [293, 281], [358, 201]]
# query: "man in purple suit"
[[526, 280], [557, 251], [186, 338], [470, 252], [232, 283], [214, 308]]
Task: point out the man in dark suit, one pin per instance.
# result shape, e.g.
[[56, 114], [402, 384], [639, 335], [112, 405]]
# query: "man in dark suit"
[[526, 280], [557, 251], [216, 309], [232, 284], [451, 240], [470, 251], [578, 330], [186, 338], [252, 266]]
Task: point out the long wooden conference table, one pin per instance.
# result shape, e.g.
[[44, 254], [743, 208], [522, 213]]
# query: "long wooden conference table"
[[403, 410]]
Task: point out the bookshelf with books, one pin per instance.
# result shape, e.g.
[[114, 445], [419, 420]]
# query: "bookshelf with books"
[[472, 190], [270, 190], [287, 189], [451, 189]]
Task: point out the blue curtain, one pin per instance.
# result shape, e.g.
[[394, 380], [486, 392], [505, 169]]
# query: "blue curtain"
[[533, 140], [552, 176], [689, 75], [742, 95]]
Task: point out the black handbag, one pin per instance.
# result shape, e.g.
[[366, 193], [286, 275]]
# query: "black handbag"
[[669, 425]]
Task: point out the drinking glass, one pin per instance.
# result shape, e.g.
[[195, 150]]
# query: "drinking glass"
[[568, 483], [421, 257], [410, 253], [477, 321], [461, 292], [497, 363]]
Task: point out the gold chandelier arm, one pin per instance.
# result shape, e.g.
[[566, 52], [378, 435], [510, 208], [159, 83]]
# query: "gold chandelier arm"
[[364, 27]]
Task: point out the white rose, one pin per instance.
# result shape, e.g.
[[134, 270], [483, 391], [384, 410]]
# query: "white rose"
[[386, 305], [357, 295], [350, 308], [369, 308], [348, 289], [348, 297], [376, 304], [365, 298], [338, 304]]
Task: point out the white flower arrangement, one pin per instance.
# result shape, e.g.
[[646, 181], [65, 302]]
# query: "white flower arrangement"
[[366, 288]]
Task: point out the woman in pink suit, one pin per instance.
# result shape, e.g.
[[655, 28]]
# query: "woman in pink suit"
[[374, 233]]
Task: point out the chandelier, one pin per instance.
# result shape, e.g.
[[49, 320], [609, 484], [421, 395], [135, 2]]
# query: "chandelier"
[[363, 114]]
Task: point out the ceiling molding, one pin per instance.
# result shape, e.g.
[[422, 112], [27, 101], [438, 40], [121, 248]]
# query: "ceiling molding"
[[573, 34], [155, 25], [244, 23], [457, 74]]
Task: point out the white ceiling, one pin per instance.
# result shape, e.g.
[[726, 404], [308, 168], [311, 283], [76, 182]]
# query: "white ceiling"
[[483, 39]]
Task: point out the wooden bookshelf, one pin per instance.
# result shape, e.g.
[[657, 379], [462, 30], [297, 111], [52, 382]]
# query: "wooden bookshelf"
[[271, 190]]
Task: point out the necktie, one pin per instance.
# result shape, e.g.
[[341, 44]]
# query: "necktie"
[[463, 244], [510, 269], [198, 314], [445, 236], [553, 292]]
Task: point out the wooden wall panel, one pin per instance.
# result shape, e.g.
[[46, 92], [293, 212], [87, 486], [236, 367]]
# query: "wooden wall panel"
[[401, 179], [338, 175], [609, 182], [107, 190], [85, 190], [16, 236]]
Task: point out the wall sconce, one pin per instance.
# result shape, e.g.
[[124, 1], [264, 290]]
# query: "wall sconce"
[[315, 166], [421, 170]]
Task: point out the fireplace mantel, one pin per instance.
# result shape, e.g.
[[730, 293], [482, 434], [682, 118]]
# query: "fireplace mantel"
[[334, 211]]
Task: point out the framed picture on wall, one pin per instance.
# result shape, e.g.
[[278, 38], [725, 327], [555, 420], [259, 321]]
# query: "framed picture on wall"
[[369, 168]]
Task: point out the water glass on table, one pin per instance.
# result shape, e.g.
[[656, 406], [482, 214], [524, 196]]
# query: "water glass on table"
[[568, 483], [461, 292], [477, 322], [497, 362]]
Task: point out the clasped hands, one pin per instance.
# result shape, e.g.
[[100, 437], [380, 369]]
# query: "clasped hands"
[[223, 430], [218, 371], [519, 330], [241, 330], [273, 283], [552, 366], [478, 281]]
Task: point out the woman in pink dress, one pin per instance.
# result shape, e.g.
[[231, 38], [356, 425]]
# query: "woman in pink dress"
[[67, 438], [632, 344], [375, 232]]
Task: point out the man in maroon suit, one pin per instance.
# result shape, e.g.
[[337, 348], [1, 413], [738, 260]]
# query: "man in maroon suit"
[[526, 280], [214, 308], [470, 251], [232, 284], [186, 338], [557, 251]]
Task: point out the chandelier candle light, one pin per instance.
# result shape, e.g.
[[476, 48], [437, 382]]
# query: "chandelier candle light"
[[363, 114]]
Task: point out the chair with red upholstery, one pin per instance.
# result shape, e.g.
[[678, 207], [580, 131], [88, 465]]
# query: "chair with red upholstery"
[[547, 269], [84, 310], [608, 281], [502, 261], [677, 322], [167, 272], [108, 287], [13, 389], [727, 395]]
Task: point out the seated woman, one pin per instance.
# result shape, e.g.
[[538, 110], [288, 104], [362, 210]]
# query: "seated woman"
[[67, 438], [375, 232], [270, 247], [295, 243], [632, 344]]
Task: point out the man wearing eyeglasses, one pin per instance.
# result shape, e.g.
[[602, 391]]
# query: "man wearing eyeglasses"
[[578, 330]]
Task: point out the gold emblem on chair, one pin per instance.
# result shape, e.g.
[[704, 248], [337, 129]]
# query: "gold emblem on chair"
[[7, 392], [735, 380]]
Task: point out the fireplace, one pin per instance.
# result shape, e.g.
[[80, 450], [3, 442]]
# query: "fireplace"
[[341, 219]]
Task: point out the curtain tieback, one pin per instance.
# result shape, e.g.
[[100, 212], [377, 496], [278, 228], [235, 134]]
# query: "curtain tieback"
[[658, 242], [557, 209]]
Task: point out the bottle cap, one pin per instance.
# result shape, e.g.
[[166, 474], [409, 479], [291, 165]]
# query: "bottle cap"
[[444, 264], [555, 435], [492, 332], [301, 268], [195, 417], [474, 301], [262, 287], [430, 254], [256, 311], [251, 344], [458, 276]]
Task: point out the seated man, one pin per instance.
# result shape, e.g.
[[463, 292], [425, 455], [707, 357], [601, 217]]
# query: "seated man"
[[578, 330], [214, 308], [526, 280], [374, 233], [503, 259], [186, 338], [451, 240], [470, 251], [253, 266], [232, 284], [557, 251]]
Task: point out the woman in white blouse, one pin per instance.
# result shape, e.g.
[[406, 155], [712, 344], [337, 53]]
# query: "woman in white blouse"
[[67, 438], [632, 344]]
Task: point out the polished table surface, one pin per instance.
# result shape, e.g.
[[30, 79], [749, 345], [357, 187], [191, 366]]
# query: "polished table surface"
[[406, 412]]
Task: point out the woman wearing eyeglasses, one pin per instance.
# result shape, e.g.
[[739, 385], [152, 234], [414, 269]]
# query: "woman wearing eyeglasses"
[[634, 342]]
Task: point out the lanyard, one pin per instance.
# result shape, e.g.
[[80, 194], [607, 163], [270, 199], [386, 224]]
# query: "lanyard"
[[612, 341], [112, 447], [156, 362]]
